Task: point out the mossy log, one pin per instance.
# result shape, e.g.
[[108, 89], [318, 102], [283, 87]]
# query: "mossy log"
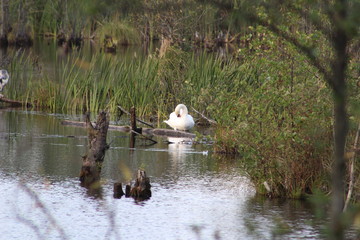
[[92, 161]]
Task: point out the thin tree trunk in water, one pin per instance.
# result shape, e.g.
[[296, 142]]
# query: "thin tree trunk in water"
[[5, 26], [338, 176], [351, 173]]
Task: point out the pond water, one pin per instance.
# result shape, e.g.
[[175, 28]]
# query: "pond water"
[[195, 195]]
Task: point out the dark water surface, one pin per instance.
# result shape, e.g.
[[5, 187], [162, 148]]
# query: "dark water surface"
[[195, 194]]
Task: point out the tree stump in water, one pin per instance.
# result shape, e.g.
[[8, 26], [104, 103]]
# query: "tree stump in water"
[[118, 192], [92, 161], [140, 191]]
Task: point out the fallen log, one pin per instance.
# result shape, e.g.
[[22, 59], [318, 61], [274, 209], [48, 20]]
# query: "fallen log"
[[149, 131], [83, 124], [15, 103], [92, 161]]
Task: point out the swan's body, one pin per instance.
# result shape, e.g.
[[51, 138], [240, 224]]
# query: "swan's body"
[[4, 78], [180, 119]]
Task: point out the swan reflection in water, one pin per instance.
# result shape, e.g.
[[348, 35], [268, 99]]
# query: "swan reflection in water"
[[179, 147]]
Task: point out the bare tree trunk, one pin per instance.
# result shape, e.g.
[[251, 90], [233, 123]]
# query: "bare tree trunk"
[[339, 65], [5, 26], [352, 170]]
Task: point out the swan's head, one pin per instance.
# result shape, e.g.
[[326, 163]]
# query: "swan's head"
[[181, 110]]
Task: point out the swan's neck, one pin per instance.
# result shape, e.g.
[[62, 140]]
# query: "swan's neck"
[[181, 111]]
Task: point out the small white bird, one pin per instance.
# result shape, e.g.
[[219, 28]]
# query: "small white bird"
[[180, 119], [4, 78]]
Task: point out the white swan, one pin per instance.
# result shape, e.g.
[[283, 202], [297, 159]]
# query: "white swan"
[[180, 119], [4, 78]]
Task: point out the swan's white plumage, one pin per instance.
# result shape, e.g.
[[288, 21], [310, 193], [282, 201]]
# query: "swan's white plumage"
[[180, 119], [4, 78]]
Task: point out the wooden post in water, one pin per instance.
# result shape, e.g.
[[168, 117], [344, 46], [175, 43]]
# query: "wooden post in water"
[[133, 121], [134, 130], [92, 161]]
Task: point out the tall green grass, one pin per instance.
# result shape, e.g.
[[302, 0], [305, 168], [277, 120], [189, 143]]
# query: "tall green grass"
[[101, 83], [154, 85]]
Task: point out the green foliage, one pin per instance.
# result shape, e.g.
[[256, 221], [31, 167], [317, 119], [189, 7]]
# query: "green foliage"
[[277, 115]]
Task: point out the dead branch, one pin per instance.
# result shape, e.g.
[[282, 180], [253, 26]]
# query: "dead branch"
[[139, 120], [203, 116]]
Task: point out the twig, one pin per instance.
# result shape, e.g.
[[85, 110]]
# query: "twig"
[[203, 116], [352, 161], [124, 111]]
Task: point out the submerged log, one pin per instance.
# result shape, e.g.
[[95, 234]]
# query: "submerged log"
[[92, 161], [149, 131], [83, 124], [15, 103]]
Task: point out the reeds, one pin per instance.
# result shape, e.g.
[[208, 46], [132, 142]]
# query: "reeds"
[[104, 83], [154, 85], [101, 83]]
